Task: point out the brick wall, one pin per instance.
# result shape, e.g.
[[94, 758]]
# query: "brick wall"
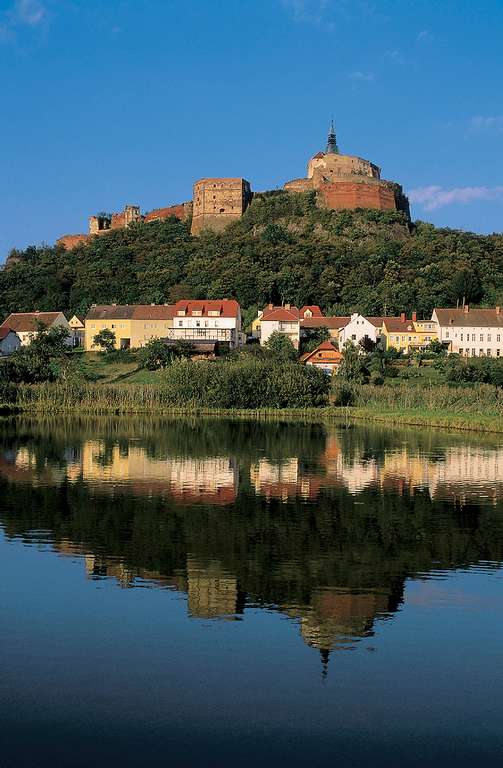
[[70, 241], [347, 194]]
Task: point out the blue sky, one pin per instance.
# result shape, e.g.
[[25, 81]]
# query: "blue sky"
[[107, 103]]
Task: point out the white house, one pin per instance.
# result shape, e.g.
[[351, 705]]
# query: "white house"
[[24, 324], [9, 341], [284, 319], [470, 332], [207, 321], [360, 327]]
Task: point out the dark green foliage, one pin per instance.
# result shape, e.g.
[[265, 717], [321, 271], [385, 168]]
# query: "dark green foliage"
[[42, 360], [485, 370], [249, 382], [281, 347], [312, 338], [157, 354], [284, 248], [354, 365]]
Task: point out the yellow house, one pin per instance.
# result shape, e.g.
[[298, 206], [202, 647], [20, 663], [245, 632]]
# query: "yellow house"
[[408, 335], [133, 324]]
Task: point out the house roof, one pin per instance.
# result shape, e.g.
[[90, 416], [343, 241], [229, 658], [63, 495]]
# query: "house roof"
[[27, 321], [484, 318], [225, 307], [325, 322], [80, 318], [131, 312], [378, 321], [324, 352], [314, 308], [4, 332], [397, 325], [288, 314]]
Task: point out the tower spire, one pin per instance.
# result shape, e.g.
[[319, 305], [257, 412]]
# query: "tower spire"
[[332, 148]]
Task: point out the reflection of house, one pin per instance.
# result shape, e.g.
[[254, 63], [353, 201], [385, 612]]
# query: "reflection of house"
[[212, 591]]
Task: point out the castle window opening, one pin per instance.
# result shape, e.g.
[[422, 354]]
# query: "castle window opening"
[[222, 210]]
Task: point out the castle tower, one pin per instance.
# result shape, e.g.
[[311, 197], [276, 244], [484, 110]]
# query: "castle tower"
[[218, 202], [332, 148]]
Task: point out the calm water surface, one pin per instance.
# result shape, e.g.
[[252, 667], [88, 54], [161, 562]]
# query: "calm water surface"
[[217, 593]]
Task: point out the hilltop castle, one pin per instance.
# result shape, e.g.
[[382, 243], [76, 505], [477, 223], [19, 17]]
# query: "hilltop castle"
[[340, 182]]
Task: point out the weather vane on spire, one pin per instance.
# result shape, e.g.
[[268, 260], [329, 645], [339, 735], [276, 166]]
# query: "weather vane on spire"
[[332, 148]]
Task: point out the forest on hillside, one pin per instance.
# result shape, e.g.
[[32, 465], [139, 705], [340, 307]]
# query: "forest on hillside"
[[284, 249]]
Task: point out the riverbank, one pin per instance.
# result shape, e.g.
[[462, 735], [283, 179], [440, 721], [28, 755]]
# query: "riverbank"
[[141, 400]]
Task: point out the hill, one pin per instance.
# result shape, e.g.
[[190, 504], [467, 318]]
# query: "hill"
[[283, 249]]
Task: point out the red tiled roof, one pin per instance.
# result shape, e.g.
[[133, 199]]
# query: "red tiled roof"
[[485, 318], [290, 314], [325, 322], [131, 312], [4, 331], [27, 321], [314, 308], [225, 307], [397, 325], [324, 352]]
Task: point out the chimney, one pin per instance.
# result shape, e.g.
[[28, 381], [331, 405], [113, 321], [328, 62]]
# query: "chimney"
[[466, 309], [498, 310], [414, 317], [402, 317], [287, 306], [152, 303], [270, 306]]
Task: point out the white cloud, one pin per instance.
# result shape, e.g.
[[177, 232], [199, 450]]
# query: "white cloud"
[[424, 36], [30, 12], [364, 77], [434, 196], [310, 11], [491, 124]]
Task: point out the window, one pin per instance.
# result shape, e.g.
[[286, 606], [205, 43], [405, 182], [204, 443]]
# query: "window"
[[473, 353], [498, 352], [481, 337], [498, 337], [180, 323], [488, 337], [473, 337], [198, 323], [447, 336], [461, 337], [461, 350]]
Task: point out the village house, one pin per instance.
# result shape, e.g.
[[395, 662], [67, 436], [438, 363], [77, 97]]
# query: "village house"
[[326, 357], [334, 325], [133, 324], [470, 332], [9, 341], [359, 328], [77, 330], [208, 321], [25, 324], [408, 335], [284, 319]]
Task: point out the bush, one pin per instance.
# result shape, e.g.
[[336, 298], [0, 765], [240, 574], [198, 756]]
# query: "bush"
[[343, 394]]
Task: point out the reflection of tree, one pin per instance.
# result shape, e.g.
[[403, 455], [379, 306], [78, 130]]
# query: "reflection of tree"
[[334, 566]]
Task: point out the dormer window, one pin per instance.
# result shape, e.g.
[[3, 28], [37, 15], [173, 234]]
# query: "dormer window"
[[181, 312], [197, 313]]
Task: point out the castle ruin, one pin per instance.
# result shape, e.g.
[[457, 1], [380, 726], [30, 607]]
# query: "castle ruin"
[[340, 182]]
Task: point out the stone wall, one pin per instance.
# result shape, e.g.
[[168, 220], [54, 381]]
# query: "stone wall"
[[219, 201]]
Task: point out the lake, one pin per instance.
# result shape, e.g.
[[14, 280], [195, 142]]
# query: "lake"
[[214, 592]]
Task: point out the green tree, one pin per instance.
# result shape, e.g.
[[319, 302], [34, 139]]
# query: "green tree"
[[280, 346], [353, 367], [105, 339], [154, 355]]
